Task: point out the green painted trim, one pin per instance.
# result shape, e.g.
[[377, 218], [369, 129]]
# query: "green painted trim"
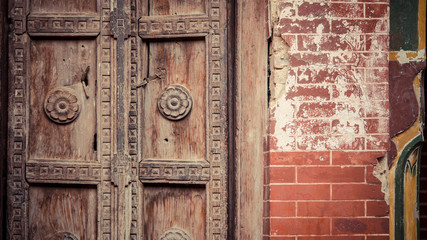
[[404, 25], [399, 179]]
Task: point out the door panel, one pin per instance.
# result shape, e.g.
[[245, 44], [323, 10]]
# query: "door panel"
[[184, 139], [60, 64], [60, 212], [118, 119]]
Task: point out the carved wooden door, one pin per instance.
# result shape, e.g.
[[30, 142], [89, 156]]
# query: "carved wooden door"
[[117, 119]]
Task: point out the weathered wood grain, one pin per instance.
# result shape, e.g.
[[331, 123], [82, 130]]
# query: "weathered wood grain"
[[184, 139], [57, 211], [63, 6], [54, 64], [177, 7], [251, 115], [178, 206]]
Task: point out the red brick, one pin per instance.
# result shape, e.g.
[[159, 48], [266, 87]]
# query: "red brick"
[[360, 225], [376, 125], [282, 238], [348, 108], [330, 43], [316, 109], [378, 142], [355, 191], [348, 58], [377, 237], [299, 158], [347, 10], [313, 126], [287, 9], [331, 209], [308, 59], [370, 178], [377, 109], [312, 143], [376, 10], [359, 26], [282, 174], [346, 126], [308, 93], [266, 226], [347, 91], [376, 91], [377, 208], [330, 174], [299, 226], [373, 59], [377, 75], [377, 43], [313, 10], [290, 40], [355, 158], [332, 238], [317, 75], [287, 25], [282, 209], [347, 142], [300, 192]]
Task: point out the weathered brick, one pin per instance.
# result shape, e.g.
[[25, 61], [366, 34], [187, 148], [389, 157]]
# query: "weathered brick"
[[377, 75], [376, 10], [377, 208], [317, 75], [309, 93], [360, 225], [347, 10], [300, 226], [330, 43], [377, 42], [356, 191], [378, 237], [359, 26], [352, 91], [282, 174], [330, 174], [312, 126], [313, 9], [346, 126], [316, 109], [331, 209], [373, 59], [281, 238], [370, 177], [347, 142], [299, 158], [376, 125], [287, 25], [355, 158], [379, 108], [282, 209], [286, 9], [332, 238], [378, 142], [300, 192], [308, 59], [312, 143]]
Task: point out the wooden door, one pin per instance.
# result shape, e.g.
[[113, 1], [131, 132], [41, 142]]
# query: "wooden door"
[[117, 119]]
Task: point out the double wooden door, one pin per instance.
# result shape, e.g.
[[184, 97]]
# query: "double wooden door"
[[118, 119]]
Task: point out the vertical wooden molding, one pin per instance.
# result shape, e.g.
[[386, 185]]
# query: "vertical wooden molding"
[[251, 109], [3, 114]]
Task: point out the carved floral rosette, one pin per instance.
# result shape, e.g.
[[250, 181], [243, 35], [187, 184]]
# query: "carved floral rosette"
[[174, 234], [62, 105], [62, 236], [175, 102]]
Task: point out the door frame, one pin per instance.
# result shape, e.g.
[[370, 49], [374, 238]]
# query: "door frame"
[[247, 122]]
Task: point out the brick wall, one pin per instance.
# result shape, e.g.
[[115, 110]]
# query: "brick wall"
[[329, 121]]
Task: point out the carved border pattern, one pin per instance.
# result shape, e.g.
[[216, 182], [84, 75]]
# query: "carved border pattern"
[[217, 124], [188, 172], [45, 26], [133, 123], [17, 187], [105, 126], [152, 27], [43, 172]]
